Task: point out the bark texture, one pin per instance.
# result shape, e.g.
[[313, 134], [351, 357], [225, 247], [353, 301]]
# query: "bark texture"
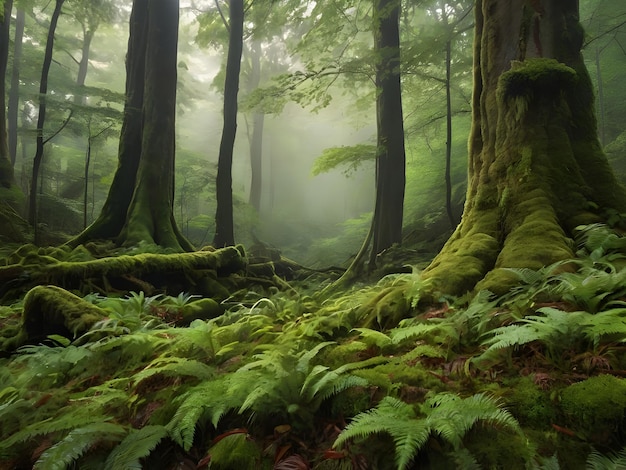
[[6, 167], [536, 168], [138, 208], [390, 162]]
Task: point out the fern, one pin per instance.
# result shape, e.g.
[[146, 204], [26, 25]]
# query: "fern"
[[235, 451], [446, 415], [174, 366], [136, 445], [615, 461], [207, 401], [76, 443]]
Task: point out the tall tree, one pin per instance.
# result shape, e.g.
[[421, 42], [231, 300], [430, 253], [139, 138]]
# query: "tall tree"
[[139, 205], [41, 119], [14, 94], [6, 167], [390, 159], [224, 230], [536, 167]]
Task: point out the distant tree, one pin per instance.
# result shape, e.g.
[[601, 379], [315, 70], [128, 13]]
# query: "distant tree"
[[139, 205], [536, 167], [224, 225]]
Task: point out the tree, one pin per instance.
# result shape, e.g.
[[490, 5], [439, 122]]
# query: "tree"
[[41, 119], [224, 231], [20, 20], [536, 167], [6, 167], [139, 205]]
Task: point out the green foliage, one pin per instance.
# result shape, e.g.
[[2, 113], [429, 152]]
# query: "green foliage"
[[235, 450], [78, 441], [613, 461], [445, 415], [351, 157], [139, 443]]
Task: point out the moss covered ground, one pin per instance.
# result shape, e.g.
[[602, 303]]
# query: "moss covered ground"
[[382, 375]]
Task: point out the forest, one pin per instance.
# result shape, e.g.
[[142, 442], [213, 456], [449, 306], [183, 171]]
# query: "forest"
[[326, 235]]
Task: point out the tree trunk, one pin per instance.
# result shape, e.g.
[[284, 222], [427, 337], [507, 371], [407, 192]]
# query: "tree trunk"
[[150, 216], [43, 90], [83, 65], [390, 163], [256, 140], [224, 231], [536, 168], [109, 223], [14, 93], [139, 205], [6, 167], [448, 176]]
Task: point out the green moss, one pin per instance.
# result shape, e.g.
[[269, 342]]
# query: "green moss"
[[494, 449], [529, 404], [526, 78], [203, 309], [595, 408], [52, 310]]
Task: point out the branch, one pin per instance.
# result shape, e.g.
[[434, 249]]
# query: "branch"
[[65, 123], [217, 4]]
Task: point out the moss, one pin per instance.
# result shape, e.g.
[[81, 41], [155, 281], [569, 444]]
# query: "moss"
[[526, 78], [494, 449], [529, 404], [595, 408], [203, 309], [52, 310]]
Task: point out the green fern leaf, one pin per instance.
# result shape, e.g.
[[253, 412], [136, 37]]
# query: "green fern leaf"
[[76, 443], [598, 461], [174, 366], [137, 445], [373, 337], [209, 400]]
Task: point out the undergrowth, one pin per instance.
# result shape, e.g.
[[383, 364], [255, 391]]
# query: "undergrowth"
[[290, 380]]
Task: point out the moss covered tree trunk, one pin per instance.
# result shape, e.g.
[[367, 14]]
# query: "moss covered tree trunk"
[[536, 168], [139, 205]]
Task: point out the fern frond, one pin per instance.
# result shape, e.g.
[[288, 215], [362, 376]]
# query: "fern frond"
[[598, 461], [235, 451], [607, 323], [373, 337], [174, 366], [400, 335], [396, 418], [209, 400], [452, 417], [139, 443], [76, 443]]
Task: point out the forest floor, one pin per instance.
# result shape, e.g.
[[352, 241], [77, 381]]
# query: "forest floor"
[[259, 365]]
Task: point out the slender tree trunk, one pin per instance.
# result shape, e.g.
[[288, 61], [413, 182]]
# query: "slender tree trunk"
[[256, 140], [601, 126], [536, 167], [14, 93], [43, 90], [448, 176], [83, 65], [390, 164], [6, 167], [224, 230]]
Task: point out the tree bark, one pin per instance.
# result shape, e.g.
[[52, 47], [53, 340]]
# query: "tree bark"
[[256, 139], [112, 217], [14, 93], [6, 167], [150, 216], [224, 225], [536, 168], [390, 163], [139, 205]]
